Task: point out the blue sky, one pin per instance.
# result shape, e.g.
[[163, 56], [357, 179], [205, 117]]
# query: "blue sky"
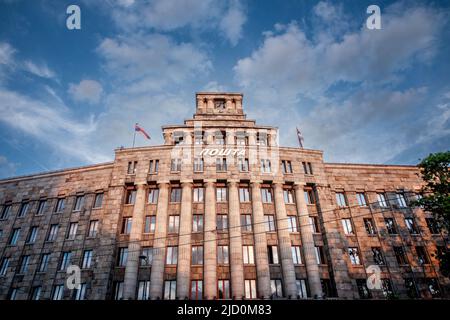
[[69, 97]]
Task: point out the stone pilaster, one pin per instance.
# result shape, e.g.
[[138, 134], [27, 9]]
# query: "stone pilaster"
[[134, 246], [306, 232], [159, 244], [184, 244], [284, 243], [210, 235], [236, 262], [262, 262]]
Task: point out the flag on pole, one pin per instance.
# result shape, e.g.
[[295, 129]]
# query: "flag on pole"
[[137, 128], [300, 138]]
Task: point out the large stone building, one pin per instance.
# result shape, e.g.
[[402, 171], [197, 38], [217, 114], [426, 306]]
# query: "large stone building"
[[220, 211]]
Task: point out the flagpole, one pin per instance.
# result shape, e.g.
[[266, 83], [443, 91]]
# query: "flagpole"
[[134, 136]]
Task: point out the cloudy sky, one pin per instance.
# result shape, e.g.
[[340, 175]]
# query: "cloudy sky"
[[69, 97]]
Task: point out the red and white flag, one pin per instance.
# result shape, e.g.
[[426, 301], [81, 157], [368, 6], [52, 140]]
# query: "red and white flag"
[[139, 129], [300, 138]]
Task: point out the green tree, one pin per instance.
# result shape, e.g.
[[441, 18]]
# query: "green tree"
[[436, 197]]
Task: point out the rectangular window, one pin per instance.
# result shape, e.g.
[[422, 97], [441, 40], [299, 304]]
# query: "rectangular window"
[[93, 228], [292, 224], [98, 201], [241, 138], [400, 256], [223, 289], [249, 257], [196, 290], [348, 227], [250, 289], [147, 257], [126, 225], [65, 260], [130, 196], [296, 254], [222, 255], [198, 194], [222, 222], [14, 237], [401, 200], [309, 197], [269, 222], [219, 137], [24, 263], [175, 195], [79, 201], [60, 203], [123, 257], [221, 194], [432, 225], [320, 258], [381, 197], [41, 207], [246, 222], [314, 222], [153, 166], [87, 259], [43, 265], [244, 194], [243, 164], [24, 209], [266, 195], [143, 290], [118, 290], [132, 166], [4, 266], [174, 224], [386, 287], [422, 256], [377, 256], [36, 293], [198, 138], [390, 225], [175, 165], [150, 224], [80, 293], [72, 232], [307, 168], [265, 166], [198, 164], [5, 212], [261, 139], [288, 196], [433, 287], [221, 164], [32, 235], [361, 197], [53, 232], [354, 256], [197, 255], [153, 195], [411, 288], [341, 199], [276, 288], [286, 165], [363, 290], [411, 225], [170, 289], [197, 223], [370, 226], [302, 291], [272, 252], [172, 255], [58, 292]]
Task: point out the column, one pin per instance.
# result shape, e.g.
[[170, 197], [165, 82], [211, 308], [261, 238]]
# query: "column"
[[284, 243], [210, 235], [259, 231], [134, 245], [159, 244], [306, 232], [184, 246], [236, 263]]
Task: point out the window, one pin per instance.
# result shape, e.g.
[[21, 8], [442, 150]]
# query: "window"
[[93, 228], [79, 201], [14, 237], [401, 200], [265, 166], [174, 224], [175, 195], [130, 196], [286, 166], [175, 165], [361, 197], [60, 203], [153, 166], [411, 289], [150, 224], [301, 288], [196, 290], [72, 232], [249, 257], [197, 223], [98, 201], [307, 167], [178, 137], [143, 290], [276, 288], [309, 197], [80, 293], [41, 207], [377, 256], [198, 164], [270, 222], [123, 257], [223, 289], [65, 260], [222, 255], [354, 256], [381, 197], [320, 258], [87, 259], [126, 225], [4, 266], [400, 255], [250, 289], [198, 137], [32, 235], [147, 257], [433, 287], [348, 227], [132, 165], [340, 199], [221, 164], [58, 292], [23, 209], [221, 194], [261, 139], [296, 254], [363, 290], [246, 222], [266, 195], [5, 212], [222, 222], [36, 293], [386, 287], [170, 288], [172, 255], [44, 262], [24, 263], [411, 225], [219, 137], [272, 252], [241, 138], [390, 225], [153, 195], [422, 256], [370, 226], [432, 225], [118, 290], [244, 194], [314, 222], [197, 255], [243, 164], [288, 196], [198, 194], [292, 224]]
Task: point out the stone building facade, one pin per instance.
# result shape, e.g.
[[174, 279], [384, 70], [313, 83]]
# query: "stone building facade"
[[220, 211]]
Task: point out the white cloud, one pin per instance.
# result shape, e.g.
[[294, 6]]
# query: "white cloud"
[[232, 22], [7, 168], [41, 70], [6, 53], [87, 90]]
